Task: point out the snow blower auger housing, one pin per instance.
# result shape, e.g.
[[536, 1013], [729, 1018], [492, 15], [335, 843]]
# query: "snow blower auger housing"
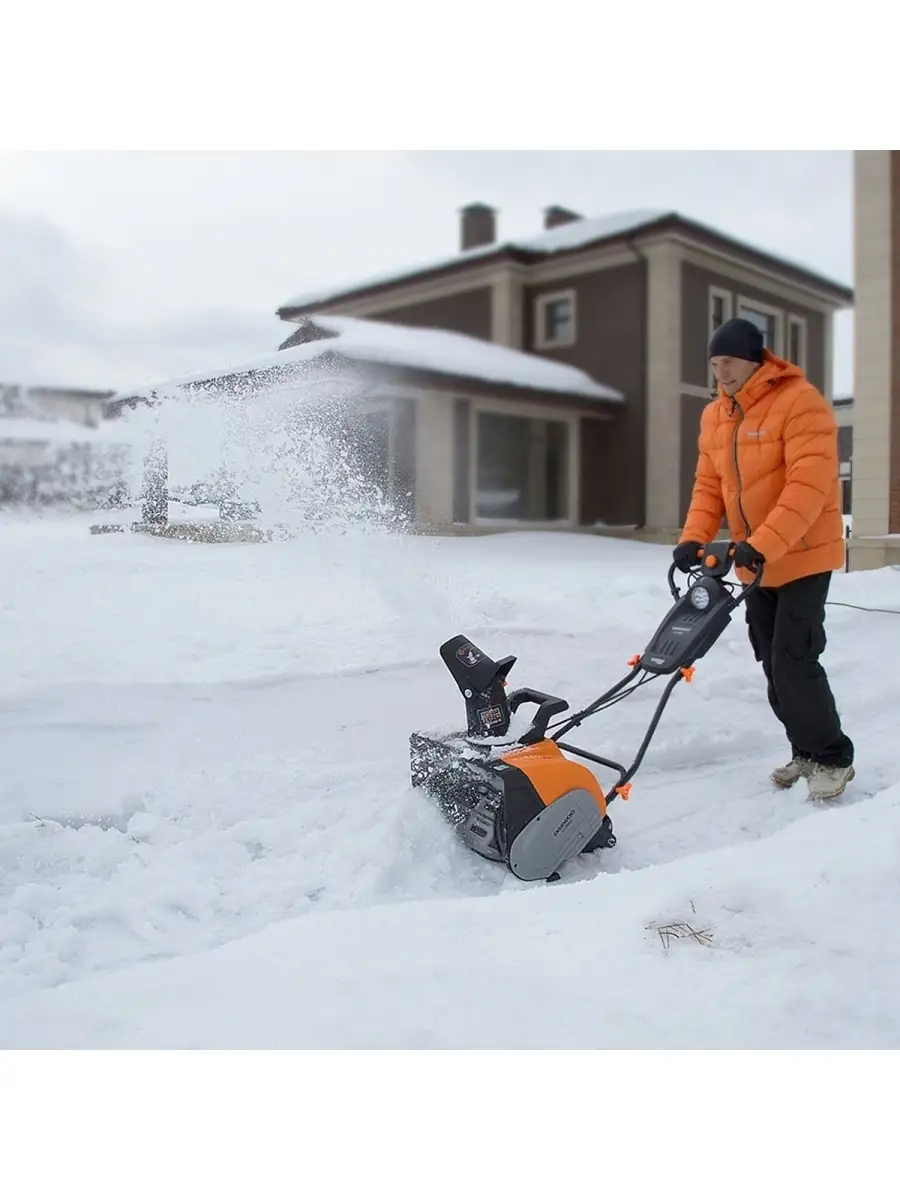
[[518, 800]]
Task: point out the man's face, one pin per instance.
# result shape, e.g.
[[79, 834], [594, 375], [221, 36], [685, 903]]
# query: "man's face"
[[732, 373]]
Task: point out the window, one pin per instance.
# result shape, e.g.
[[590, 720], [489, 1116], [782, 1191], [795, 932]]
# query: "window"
[[554, 319], [719, 308], [768, 320], [845, 445], [796, 347], [522, 468]]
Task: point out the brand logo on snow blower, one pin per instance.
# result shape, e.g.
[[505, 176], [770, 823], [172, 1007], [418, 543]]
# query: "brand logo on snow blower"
[[565, 823], [491, 716], [469, 655], [660, 661]]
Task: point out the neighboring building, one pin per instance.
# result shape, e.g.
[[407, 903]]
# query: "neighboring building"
[[82, 405], [53, 448], [876, 390], [630, 300], [456, 433]]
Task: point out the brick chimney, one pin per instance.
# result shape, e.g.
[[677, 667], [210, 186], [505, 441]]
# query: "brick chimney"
[[477, 227], [555, 215]]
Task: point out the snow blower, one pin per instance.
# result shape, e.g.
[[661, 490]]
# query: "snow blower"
[[519, 800]]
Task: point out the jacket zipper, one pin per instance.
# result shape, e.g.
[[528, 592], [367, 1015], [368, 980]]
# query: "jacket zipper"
[[737, 469]]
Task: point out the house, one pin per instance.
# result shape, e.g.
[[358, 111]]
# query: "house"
[[54, 448], [876, 389], [81, 405], [457, 433], [631, 301]]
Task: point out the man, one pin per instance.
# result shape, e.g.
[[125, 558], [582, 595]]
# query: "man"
[[768, 465]]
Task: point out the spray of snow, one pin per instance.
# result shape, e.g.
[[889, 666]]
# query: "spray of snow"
[[275, 444]]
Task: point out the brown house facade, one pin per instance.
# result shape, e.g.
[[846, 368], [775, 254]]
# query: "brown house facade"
[[631, 301]]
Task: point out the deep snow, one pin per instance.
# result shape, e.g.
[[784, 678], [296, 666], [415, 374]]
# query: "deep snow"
[[207, 828]]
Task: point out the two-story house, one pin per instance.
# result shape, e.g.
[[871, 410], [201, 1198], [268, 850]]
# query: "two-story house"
[[630, 300]]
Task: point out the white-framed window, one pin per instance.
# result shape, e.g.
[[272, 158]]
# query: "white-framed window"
[[795, 350], [720, 308], [845, 447], [524, 467], [721, 303], [555, 320], [769, 320]]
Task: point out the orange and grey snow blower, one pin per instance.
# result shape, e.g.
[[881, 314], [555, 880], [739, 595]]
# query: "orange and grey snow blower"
[[519, 800]]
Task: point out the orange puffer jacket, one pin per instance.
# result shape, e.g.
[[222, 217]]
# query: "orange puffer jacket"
[[768, 464]]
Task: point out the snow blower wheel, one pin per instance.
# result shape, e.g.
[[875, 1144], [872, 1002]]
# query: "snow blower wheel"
[[520, 801]]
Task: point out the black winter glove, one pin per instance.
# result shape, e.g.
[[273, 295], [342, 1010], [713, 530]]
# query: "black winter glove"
[[685, 556], [746, 556]]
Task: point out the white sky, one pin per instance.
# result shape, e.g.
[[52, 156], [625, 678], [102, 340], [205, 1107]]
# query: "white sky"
[[118, 269]]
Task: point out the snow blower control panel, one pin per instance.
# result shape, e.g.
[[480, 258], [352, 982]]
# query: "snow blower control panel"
[[700, 615]]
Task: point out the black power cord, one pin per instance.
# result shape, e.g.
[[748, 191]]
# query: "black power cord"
[[894, 612], [594, 708]]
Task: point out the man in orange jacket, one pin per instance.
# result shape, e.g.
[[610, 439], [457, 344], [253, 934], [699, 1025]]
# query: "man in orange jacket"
[[768, 466]]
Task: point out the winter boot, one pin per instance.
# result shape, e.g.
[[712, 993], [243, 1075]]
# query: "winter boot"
[[827, 782], [787, 776]]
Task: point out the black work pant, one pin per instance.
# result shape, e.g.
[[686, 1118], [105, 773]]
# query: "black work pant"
[[787, 632]]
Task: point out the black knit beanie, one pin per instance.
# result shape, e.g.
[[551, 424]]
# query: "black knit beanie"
[[738, 338]]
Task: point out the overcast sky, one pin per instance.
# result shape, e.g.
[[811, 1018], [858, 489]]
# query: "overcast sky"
[[121, 269]]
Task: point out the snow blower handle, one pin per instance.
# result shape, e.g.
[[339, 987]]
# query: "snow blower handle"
[[714, 561], [548, 706]]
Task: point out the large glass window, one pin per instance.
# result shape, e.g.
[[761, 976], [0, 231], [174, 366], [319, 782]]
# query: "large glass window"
[[522, 468]]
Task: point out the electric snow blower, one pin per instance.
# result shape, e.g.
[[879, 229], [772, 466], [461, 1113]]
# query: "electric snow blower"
[[519, 800]]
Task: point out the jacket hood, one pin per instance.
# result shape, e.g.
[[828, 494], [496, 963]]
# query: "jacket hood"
[[773, 371]]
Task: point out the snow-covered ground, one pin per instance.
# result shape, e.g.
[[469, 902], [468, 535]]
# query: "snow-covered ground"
[[208, 836]]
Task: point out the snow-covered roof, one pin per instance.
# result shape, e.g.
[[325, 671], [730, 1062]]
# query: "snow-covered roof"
[[564, 237], [569, 236], [432, 351], [59, 433]]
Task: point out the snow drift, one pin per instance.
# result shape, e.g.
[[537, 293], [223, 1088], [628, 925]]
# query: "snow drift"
[[208, 837]]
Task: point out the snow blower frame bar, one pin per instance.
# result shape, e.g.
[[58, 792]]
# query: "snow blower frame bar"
[[686, 634]]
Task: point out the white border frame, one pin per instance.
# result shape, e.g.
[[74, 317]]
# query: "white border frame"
[[540, 303], [769, 310], [801, 323], [565, 417], [716, 292]]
